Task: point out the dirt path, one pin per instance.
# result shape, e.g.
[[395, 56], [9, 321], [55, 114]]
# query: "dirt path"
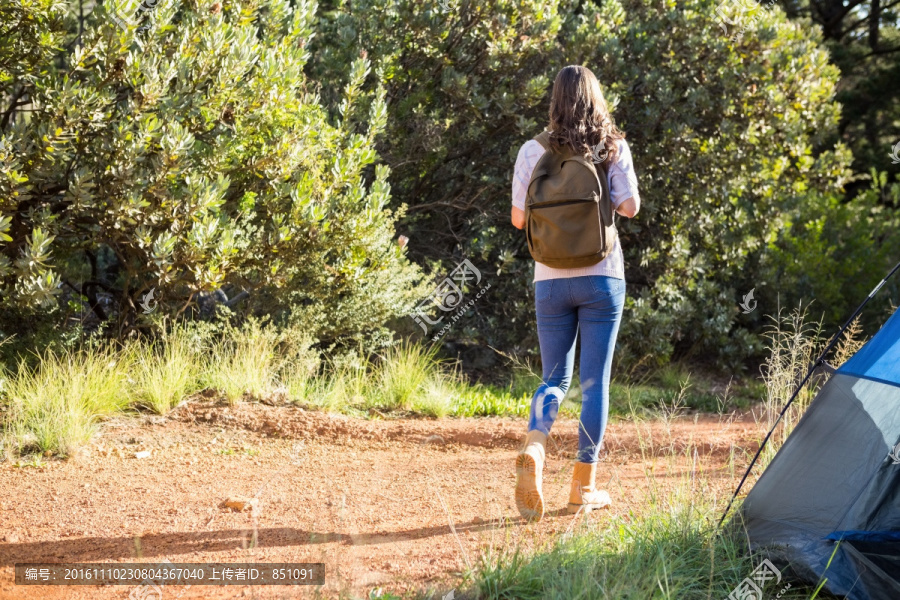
[[399, 504]]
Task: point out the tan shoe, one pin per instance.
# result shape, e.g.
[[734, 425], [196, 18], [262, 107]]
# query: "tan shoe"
[[583, 495], [529, 469]]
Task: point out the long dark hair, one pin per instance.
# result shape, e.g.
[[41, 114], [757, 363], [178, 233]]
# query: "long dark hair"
[[579, 116]]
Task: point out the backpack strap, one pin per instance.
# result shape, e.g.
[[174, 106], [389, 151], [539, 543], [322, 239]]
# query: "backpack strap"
[[549, 163], [543, 139]]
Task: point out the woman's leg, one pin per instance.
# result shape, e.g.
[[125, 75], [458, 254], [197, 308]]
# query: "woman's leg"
[[557, 323], [598, 320]]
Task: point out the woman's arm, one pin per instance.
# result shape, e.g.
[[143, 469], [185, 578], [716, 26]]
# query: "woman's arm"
[[518, 217], [623, 183], [529, 154], [629, 207]]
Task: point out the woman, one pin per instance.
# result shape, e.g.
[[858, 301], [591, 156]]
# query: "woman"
[[588, 299]]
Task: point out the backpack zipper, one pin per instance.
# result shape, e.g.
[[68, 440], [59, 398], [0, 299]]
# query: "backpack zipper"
[[563, 203]]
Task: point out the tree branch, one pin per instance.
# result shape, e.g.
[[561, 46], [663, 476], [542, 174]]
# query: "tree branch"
[[14, 104], [882, 51]]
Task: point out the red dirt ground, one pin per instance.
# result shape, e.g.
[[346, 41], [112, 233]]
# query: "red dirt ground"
[[401, 504]]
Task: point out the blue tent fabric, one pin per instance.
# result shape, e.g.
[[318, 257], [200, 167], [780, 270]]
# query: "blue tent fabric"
[[879, 359], [864, 536]]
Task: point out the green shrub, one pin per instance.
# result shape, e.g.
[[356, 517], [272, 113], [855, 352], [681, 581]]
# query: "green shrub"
[[186, 157], [834, 253]]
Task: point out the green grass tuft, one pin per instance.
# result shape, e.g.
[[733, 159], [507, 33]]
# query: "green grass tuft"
[[244, 362], [56, 405], [168, 371], [403, 375]]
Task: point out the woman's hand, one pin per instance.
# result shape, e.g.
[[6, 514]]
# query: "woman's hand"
[[518, 217]]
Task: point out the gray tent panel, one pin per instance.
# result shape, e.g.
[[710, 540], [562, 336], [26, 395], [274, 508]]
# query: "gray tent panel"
[[834, 479]]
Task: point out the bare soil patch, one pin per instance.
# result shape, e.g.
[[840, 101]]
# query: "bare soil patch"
[[400, 504]]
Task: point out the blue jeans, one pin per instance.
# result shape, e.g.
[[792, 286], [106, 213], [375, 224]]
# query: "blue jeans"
[[593, 304]]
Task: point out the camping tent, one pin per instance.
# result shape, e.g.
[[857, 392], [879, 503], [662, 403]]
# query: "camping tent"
[[837, 477]]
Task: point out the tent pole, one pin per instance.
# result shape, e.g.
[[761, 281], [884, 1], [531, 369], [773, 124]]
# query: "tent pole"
[[793, 397]]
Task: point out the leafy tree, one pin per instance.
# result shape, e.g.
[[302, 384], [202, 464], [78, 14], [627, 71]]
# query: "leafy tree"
[[729, 136], [465, 82], [863, 39], [186, 153]]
